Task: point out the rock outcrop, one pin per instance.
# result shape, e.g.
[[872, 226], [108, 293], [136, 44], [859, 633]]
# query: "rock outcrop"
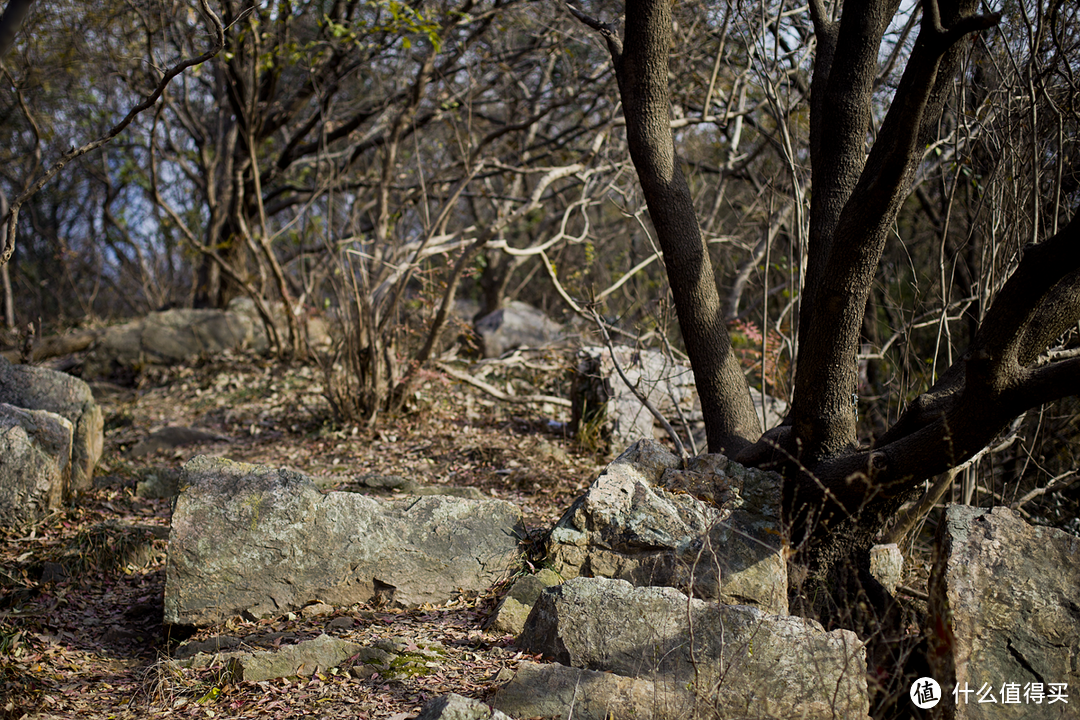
[[38, 388], [711, 529], [35, 463], [1005, 616], [262, 541], [735, 660], [518, 324], [608, 414], [173, 336]]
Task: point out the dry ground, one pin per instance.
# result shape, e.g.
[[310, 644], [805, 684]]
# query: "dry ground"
[[81, 591]]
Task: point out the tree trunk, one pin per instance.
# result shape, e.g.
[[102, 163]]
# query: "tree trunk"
[[641, 66]]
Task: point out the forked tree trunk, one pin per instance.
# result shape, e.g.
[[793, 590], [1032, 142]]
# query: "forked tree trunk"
[[838, 495]]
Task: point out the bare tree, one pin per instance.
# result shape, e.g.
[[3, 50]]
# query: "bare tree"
[[839, 494]]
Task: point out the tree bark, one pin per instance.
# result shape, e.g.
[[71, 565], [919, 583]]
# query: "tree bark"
[[641, 67]]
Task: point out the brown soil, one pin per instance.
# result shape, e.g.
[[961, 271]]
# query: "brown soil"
[[81, 591]]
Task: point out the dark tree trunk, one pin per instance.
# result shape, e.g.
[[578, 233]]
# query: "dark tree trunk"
[[838, 495], [641, 66]]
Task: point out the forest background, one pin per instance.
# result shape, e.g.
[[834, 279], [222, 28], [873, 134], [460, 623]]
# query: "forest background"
[[379, 161]]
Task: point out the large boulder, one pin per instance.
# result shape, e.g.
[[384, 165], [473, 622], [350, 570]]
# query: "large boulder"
[[606, 413], [35, 463], [712, 529], [181, 335], [259, 540], [518, 324], [38, 388], [552, 690], [736, 660], [173, 336], [1005, 614]]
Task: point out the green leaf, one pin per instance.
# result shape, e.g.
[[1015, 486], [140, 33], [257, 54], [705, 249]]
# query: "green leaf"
[[210, 696]]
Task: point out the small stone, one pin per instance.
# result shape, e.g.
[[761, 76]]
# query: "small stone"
[[316, 610], [342, 623], [887, 565], [208, 646], [456, 707], [53, 573]]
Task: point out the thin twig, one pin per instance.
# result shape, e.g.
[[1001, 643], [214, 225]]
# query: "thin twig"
[[13, 214], [496, 392], [1056, 483], [637, 393]]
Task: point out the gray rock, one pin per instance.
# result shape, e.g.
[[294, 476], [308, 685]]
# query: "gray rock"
[[210, 646], [456, 707], [380, 481], [607, 413], [173, 336], [642, 521], [512, 611], [37, 388], [158, 483], [736, 659], [171, 437], [1005, 603], [35, 463], [317, 328], [258, 540], [302, 659], [516, 325], [395, 486], [467, 493], [887, 565], [315, 610], [397, 659], [558, 691]]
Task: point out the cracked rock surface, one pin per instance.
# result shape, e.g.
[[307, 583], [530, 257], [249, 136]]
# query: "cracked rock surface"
[[1005, 608]]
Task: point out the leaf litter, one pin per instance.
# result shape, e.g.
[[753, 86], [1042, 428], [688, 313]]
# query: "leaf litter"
[[81, 590]]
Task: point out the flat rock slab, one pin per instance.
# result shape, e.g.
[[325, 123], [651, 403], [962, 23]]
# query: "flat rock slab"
[[302, 659], [171, 437], [712, 529], [389, 658], [1005, 606], [263, 541], [736, 659], [172, 336]]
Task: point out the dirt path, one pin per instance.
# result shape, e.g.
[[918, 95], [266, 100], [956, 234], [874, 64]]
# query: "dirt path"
[[81, 591]]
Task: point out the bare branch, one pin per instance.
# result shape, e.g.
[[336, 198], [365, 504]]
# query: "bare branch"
[[1056, 483], [606, 30], [642, 398], [13, 215], [499, 394], [11, 22]]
